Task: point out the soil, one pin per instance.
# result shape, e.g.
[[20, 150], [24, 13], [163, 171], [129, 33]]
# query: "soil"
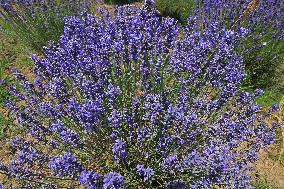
[[271, 169]]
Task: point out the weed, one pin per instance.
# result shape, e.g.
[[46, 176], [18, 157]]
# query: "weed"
[[263, 183]]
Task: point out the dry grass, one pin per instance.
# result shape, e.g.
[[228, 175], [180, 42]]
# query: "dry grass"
[[271, 163]]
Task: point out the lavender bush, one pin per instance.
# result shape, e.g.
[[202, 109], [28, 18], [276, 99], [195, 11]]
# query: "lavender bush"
[[264, 44], [36, 22], [136, 101], [264, 20]]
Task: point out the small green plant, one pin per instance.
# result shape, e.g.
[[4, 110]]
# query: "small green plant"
[[277, 157], [263, 183], [270, 97]]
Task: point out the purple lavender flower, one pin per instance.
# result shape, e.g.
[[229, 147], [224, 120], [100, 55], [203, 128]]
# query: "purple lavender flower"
[[65, 165], [275, 107], [113, 181], [3, 167], [66, 134], [146, 173], [90, 179], [176, 184], [119, 151], [150, 2]]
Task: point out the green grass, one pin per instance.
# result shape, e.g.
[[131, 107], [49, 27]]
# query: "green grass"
[[178, 9], [263, 183], [270, 97], [6, 57], [4, 122], [4, 64], [13, 53], [262, 62]]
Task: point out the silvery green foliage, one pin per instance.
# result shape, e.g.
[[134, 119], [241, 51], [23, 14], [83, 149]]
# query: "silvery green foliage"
[[36, 22], [137, 100], [18, 8]]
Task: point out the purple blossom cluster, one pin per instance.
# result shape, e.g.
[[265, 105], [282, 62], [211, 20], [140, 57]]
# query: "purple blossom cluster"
[[119, 151], [113, 181], [135, 100], [90, 179], [146, 173], [65, 165]]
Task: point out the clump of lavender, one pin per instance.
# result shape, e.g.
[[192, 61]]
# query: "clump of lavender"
[[137, 100], [36, 22], [263, 45]]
